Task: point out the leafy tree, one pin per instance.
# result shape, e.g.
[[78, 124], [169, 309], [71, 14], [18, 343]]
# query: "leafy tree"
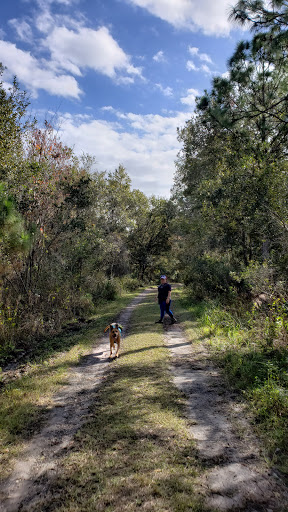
[[232, 161], [151, 237], [252, 103], [12, 231], [13, 106], [261, 16]]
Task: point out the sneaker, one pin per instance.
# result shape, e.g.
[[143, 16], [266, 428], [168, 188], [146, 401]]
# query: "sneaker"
[[159, 322], [173, 320]]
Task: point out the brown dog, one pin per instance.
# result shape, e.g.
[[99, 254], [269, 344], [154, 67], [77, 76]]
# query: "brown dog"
[[114, 336]]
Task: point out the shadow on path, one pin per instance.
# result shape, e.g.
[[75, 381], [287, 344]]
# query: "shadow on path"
[[70, 408], [237, 478]]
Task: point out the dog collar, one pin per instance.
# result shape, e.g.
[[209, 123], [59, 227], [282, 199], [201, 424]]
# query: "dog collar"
[[119, 328]]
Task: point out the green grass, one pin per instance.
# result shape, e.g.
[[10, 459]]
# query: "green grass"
[[136, 451], [249, 366], [25, 401]]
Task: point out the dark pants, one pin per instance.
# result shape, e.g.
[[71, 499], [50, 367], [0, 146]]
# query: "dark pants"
[[165, 308]]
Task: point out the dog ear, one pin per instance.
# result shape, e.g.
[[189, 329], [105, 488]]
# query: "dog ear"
[[106, 328], [120, 327]]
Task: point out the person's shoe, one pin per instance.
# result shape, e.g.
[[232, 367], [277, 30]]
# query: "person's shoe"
[[159, 322], [173, 320]]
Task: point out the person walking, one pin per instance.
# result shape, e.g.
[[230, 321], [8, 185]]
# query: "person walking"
[[164, 300]]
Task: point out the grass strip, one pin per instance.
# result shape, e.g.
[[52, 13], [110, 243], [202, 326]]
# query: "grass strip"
[[26, 401], [258, 372], [136, 451]]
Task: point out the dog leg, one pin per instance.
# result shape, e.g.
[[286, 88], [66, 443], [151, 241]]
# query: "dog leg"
[[111, 347], [118, 347]]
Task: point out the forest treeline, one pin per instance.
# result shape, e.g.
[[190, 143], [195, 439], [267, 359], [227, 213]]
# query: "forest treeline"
[[231, 184], [231, 192], [71, 236]]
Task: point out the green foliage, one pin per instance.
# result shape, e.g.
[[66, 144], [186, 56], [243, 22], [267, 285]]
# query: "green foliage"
[[13, 105], [129, 283], [231, 186], [14, 238], [69, 236], [209, 277], [151, 237], [251, 365], [270, 403], [261, 16]]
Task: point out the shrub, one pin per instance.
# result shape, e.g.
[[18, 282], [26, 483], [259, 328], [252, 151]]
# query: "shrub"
[[207, 277], [129, 283]]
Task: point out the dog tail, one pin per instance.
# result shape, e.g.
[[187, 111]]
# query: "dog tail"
[[106, 328]]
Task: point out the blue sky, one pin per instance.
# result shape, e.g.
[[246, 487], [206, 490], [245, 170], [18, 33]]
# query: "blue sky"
[[117, 77]]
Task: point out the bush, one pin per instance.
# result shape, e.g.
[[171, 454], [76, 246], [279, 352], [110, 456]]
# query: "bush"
[[260, 278], [105, 289], [209, 278], [129, 283]]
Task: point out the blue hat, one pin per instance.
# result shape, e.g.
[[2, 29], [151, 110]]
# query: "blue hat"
[[163, 277]]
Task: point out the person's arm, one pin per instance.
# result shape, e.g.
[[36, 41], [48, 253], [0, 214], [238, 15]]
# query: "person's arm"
[[157, 296], [168, 297]]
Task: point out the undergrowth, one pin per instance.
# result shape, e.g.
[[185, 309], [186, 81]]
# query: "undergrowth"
[[247, 345], [25, 399]]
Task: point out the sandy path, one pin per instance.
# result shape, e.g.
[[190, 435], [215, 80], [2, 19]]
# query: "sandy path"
[[236, 478], [70, 409]]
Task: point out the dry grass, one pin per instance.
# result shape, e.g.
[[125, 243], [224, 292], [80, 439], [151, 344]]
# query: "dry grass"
[[26, 401], [135, 452]]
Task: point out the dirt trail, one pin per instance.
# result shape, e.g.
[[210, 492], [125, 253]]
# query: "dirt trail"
[[70, 409], [236, 477]]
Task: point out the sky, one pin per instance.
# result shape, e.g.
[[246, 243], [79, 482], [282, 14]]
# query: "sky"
[[117, 77]]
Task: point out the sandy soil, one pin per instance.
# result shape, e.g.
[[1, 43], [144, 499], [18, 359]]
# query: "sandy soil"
[[236, 476], [71, 407]]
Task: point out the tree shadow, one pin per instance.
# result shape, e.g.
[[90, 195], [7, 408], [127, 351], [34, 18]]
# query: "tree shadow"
[[147, 460]]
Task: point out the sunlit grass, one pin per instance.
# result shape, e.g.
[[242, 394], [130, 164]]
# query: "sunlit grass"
[[258, 372], [136, 451], [25, 402]]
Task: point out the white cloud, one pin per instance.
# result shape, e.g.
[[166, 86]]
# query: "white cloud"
[[167, 91], [193, 50], [202, 56], [23, 29], [73, 49], [205, 57], [36, 74], [44, 22], [86, 48], [145, 144], [108, 108], [125, 80], [44, 3], [208, 15], [190, 98], [206, 69], [159, 56], [191, 66], [7, 86]]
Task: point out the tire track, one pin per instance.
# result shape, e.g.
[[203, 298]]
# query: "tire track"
[[236, 477], [38, 465]]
